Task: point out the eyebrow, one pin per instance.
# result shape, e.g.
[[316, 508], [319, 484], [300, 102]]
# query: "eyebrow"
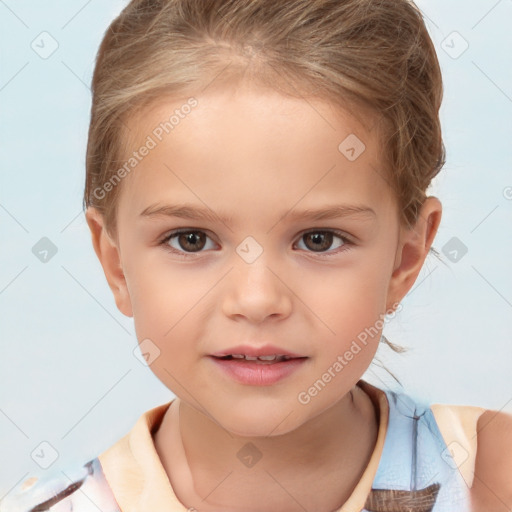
[[186, 211]]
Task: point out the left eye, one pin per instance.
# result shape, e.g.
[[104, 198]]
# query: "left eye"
[[320, 241]]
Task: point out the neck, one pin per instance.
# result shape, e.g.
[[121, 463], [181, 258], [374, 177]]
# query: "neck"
[[316, 465]]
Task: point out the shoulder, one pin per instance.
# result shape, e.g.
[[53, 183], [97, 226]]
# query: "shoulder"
[[82, 489], [492, 486], [458, 425], [480, 443]]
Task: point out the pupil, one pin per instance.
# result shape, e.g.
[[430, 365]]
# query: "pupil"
[[320, 241], [190, 241]]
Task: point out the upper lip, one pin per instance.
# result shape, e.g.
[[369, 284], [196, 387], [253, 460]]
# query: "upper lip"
[[249, 350]]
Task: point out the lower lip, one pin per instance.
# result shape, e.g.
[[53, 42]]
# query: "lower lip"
[[258, 374]]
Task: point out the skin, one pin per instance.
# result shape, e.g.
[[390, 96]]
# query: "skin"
[[492, 485], [255, 156]]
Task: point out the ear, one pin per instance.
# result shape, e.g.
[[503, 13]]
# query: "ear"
[[108, 253], [413, 247]]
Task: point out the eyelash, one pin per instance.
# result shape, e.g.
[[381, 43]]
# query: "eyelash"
[[347, 243]]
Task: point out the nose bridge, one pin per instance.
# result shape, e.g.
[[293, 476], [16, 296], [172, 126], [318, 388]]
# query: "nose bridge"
[[252, 259], [254, 290], [253, 277]]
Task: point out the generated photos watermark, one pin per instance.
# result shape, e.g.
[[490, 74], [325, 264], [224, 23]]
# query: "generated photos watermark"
[[304, 397], [151, 142]]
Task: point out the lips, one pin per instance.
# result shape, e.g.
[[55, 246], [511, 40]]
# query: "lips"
[[253, 371]]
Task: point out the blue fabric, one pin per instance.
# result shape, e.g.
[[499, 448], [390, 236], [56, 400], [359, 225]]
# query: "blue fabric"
[[415, 456]]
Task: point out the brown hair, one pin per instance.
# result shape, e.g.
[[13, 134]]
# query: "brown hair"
[[374, 55]]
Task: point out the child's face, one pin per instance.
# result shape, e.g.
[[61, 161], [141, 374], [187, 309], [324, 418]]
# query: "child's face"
[[257, 160]]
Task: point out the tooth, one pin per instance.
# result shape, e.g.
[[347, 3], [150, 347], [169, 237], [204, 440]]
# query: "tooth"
[[272, 357]]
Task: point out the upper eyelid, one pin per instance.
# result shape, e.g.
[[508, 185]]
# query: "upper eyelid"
[[337, 232], [180, 231]]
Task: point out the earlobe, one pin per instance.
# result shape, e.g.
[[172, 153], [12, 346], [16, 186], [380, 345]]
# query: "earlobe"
[[413, 248], [108, 254]]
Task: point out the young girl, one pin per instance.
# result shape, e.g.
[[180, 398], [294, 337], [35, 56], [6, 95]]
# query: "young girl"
[[256, 193]]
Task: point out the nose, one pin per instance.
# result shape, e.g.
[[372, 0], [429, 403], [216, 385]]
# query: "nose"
[[255, 292]]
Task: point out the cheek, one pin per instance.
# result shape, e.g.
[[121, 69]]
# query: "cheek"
[[351, 304], [162, 295], [170, 305], [351, 299], [164, 313]]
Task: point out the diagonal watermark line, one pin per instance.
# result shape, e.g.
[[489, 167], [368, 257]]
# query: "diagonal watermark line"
[[14, 486], [17, 426], [286, 490], [382, 175], [305, 194], [301, 300], [96, 300], [429, 19], [76, 14], [491, 491], [14, 218], [411, 412], [199, 300], [71, 221], [82, 491], [420, 283], [104, 395], [280, 423], [215, 77], [225, 20], [379, 364], [492, 81], [6, 6], [14, 76], [165, 165], [88, 88], [302, 97], [486, 14], [12, 280], [491, 285], [199, 404], [492, 211], [205, 411], [217, 486], [493, 416]]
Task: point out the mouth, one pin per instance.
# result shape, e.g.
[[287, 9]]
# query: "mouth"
[[270, 359]]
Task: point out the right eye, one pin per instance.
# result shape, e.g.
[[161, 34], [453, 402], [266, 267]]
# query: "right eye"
[[185, 241]]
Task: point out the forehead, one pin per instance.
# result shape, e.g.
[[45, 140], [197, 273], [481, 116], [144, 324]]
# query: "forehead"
[[250, 105], [253, 146]]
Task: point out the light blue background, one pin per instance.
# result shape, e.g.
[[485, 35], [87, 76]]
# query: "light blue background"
[[68, 374]]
